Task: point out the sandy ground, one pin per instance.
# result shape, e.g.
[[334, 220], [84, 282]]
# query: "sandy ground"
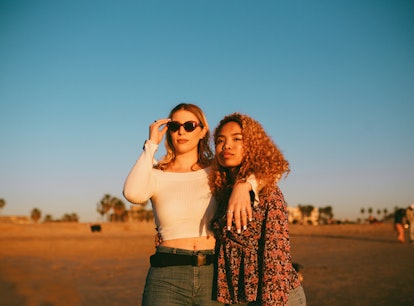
[[67, 264]]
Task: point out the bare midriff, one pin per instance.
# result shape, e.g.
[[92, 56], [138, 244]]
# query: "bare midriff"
[[194, 244]]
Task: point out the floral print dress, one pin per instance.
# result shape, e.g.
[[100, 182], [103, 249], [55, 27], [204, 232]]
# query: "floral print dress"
[[256, 265]]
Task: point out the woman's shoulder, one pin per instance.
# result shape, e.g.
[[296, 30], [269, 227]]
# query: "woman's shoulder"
[[271, 194], [270, 190]]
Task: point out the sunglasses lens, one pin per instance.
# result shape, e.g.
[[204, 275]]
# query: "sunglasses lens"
[[189, 126], [173, 126]]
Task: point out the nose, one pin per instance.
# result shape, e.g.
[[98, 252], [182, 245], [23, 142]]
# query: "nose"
[[181, 130], [226, 146]]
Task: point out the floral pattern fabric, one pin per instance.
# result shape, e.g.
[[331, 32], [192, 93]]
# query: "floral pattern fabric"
[[256, 265]]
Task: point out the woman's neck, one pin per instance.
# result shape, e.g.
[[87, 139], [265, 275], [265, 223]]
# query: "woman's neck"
[[184, 164], [232, 174]]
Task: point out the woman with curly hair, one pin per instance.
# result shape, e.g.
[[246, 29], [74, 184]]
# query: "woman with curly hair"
[[182, 269], [255, 265]]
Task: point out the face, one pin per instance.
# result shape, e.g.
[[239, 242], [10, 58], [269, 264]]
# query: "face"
[[229, 145], [185, 140]]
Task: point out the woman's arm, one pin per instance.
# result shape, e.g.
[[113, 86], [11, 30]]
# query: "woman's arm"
[[239, 207], [138, 184]]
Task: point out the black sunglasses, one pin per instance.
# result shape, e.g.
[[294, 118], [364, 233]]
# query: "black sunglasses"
[[189, 126]]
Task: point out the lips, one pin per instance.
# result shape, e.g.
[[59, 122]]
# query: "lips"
[[226, 155], [182, 141]]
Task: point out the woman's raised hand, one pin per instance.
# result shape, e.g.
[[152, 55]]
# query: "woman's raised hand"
[[157, 130]]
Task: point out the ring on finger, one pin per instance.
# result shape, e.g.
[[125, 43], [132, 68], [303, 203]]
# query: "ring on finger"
[[229, 211]]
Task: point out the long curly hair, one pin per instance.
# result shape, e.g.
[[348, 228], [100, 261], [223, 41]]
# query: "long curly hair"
[[205, 154], [262, 158]]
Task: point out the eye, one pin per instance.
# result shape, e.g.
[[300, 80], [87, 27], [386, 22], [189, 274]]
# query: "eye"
[[218, 141]]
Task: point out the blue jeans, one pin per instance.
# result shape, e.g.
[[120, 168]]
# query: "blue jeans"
[[179, 285], [296, 298]]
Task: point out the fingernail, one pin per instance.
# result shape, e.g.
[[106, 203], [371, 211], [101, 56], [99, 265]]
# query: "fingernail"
[[250, 219], [228, 228], [244, 227], [238, 231]]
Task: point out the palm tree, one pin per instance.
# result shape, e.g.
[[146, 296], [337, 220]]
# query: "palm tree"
[[305, 211], [35, 215], [2, 204], [385, 212], [149, 215], [370, 214], [48, 218], [73, 217], [119, 210], [105, 205], [363, 214], [379, 211], [325, 214]]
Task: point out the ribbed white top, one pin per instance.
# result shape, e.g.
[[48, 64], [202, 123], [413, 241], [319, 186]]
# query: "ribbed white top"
[[182, 202]]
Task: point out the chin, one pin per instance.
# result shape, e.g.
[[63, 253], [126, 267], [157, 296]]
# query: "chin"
[[228, 165]]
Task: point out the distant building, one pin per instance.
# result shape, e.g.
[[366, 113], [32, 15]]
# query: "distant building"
[[14, 220]]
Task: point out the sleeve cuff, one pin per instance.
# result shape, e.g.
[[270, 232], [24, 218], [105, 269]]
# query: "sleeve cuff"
[[149, 144], [253, 182]]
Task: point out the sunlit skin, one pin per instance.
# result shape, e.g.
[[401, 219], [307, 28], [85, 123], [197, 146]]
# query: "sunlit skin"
[[229, 146], [187, 155], [186, 149], [230, 152], [185, 143]]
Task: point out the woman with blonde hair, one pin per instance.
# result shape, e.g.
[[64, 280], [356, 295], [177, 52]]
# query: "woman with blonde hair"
[[256, 265], [182, 269]]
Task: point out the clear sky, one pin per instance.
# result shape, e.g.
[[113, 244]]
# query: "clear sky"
[[331, 81]]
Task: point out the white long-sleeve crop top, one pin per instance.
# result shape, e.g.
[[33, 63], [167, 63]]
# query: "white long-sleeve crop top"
[[182, 202]]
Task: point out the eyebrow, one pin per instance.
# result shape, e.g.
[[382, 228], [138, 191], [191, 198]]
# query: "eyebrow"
[[234, 134]]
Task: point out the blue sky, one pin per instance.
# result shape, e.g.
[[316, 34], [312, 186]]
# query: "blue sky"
[[331, 81]]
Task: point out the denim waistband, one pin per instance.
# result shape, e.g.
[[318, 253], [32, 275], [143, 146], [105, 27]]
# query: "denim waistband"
[[163, 249]]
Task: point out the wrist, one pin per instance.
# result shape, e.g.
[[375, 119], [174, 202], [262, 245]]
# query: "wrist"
[[245, 184], [147, 143]]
